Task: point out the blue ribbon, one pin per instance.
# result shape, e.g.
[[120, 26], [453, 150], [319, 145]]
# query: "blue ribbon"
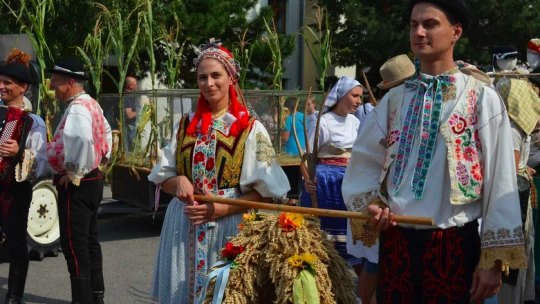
[[222, 274]]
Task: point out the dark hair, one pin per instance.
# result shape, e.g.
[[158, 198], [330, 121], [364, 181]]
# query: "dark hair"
[[289, 103]]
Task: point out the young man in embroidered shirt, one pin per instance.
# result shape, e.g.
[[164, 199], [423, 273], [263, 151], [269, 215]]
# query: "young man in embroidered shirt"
[[436, 147], [16, 190], [80, 142]]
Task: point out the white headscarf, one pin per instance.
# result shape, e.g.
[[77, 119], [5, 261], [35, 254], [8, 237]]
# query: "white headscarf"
[[340, 89]]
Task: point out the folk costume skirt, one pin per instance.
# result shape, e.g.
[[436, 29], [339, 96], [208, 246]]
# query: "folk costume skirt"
[[421, 266], [329, 180], [185, 255]]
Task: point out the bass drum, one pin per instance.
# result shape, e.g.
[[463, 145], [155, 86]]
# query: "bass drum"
[[43, 225]]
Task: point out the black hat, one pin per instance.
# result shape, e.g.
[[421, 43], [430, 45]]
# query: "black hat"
[[505, 52], [535, 80], [17, 71], [455, 8], [70, 67]]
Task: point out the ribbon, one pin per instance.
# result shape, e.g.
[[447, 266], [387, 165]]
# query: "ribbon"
[[222, 274], [304, 289], [426, 107]]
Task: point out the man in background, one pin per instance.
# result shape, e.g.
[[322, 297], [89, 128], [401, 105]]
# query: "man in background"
[[130, 111]]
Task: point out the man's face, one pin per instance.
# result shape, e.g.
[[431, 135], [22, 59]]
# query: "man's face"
[[431, 33], [61, 84], [10, 89]]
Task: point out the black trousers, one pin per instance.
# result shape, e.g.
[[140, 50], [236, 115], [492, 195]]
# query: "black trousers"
[[15, 199], [427, 266], [77, 210]]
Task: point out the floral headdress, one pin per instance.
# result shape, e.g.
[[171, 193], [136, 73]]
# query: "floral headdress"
[[203, 114], [213, 49]]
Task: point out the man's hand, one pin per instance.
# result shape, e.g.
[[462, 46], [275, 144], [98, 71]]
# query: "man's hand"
[[64, 181], [9, 148], [486, 283], [381, 220]]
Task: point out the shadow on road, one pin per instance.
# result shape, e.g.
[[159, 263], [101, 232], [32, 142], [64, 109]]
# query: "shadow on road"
[[139, 296], [30, 298], [128, 227]]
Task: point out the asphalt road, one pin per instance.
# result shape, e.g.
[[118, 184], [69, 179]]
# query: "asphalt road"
[[129, 243]]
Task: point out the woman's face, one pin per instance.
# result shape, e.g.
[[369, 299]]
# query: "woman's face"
[[352, 100], [213, 81]]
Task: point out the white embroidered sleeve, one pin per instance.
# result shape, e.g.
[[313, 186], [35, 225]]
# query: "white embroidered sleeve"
[[361, 182], [260, 169], [34, 160], [166, 168], [78, 143], [502, 230], [323, 132], [360, 186]]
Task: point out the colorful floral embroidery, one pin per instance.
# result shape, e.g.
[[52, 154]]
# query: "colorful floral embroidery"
[[503, 237], [428, 99], [467, 147]]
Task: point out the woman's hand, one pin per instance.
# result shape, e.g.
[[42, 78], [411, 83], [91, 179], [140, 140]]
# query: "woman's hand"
[[205, 213], [311, 187], [185, 190]]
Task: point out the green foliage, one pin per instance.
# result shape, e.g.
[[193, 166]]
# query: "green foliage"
[[319, 44], [369, 32]]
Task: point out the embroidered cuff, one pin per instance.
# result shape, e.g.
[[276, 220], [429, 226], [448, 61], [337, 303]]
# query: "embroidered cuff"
[[75, 179], [26, 169], [510, 257], [361, 231]]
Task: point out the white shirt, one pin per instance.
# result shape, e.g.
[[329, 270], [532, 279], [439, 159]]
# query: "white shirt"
[[334, 129], [34, 161]]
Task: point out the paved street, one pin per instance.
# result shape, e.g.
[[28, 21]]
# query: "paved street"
[[129, 243]]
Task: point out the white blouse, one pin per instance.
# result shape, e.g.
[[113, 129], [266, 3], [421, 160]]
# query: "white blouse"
[[34, 161], [258, 173], [334, 129]]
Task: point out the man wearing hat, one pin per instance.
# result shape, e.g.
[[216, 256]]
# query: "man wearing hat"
[[16, 191], [437, 147], [81, 141]]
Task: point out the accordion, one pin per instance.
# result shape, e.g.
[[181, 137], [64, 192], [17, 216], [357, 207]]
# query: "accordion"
[[15, 124]]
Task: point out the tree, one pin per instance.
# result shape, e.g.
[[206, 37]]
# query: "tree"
[[369, 32]]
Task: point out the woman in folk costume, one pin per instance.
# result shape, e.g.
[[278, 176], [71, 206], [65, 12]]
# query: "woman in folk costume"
[[217, 151], [337, 133], [523, 106]]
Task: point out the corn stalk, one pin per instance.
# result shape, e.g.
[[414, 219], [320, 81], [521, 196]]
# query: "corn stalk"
[[115, 42], [173, 52], [319, 44], [31, 18], [243, 54], [93, 48], [275, 48], [148, 112]]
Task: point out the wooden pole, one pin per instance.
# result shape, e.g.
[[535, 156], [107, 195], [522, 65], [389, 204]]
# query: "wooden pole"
[[371, 96], [311, 211], [531, 75]]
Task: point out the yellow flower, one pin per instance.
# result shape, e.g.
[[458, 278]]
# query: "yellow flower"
[[296, 261], [297, 219], [249, 217], [309, 258], [303, 260]]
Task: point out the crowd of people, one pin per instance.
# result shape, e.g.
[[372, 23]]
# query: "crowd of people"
[[447, 142]]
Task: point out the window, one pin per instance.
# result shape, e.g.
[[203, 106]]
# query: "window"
[[280, 12]]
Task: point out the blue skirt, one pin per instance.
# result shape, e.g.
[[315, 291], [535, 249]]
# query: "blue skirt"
[[329, 180]]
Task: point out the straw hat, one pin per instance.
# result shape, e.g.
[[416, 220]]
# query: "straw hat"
[[395, 71]]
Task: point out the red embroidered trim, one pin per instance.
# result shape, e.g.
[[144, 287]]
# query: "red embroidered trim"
[[69, 234], [443, 267], [334, 161], [395, 268]]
